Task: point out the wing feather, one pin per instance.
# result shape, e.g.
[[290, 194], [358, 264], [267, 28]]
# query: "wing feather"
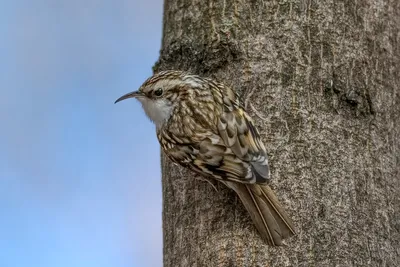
[[238, 132], [231, 151]]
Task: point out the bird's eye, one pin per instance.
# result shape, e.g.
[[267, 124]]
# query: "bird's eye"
[[158, 92]]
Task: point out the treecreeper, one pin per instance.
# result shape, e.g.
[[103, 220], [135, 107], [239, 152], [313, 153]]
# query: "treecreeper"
[[201, 125]]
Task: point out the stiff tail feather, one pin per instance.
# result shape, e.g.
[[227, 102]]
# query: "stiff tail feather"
[[270, 219]]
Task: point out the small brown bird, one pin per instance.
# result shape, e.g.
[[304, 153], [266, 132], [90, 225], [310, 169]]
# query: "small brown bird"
[[202, 126]]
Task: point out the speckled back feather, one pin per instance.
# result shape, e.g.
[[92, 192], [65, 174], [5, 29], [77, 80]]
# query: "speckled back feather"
[[210, 133]]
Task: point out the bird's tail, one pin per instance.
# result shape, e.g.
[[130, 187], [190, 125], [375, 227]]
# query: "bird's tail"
[[269, 217]]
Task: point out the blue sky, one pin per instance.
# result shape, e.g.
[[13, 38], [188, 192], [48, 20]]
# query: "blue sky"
[[79, 176]]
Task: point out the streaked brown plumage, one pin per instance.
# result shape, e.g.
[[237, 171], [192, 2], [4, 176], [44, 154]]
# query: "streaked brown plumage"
[[201, 125]]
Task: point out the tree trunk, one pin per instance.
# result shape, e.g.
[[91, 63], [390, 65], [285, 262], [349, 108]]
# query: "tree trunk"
[[321, 80]]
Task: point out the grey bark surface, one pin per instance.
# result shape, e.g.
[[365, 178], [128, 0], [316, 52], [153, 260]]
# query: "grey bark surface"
[[321, 79]]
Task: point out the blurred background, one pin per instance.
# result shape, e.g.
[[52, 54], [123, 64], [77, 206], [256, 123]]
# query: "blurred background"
[[79, 176]]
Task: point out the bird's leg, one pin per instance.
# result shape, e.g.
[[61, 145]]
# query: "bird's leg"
[[208, 180], [199, 177]]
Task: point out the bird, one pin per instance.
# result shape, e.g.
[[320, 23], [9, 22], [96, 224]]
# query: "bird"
[[202, 125]]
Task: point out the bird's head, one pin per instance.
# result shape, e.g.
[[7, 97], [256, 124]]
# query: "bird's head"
[[162, 92]]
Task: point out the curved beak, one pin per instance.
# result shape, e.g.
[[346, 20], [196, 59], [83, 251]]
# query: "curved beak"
[[129, 95]]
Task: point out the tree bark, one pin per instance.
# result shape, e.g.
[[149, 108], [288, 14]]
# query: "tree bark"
[[321, 80]]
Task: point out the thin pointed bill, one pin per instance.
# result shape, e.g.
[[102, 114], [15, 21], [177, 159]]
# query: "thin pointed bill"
[[129, 95]]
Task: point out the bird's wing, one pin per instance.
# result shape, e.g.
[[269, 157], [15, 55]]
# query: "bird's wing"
[[238, 133], [236, 153], [211, 158]]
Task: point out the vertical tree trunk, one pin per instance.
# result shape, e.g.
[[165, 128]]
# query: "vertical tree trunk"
[[321, 80]]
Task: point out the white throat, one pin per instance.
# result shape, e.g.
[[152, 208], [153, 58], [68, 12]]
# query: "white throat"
[[158, 111]]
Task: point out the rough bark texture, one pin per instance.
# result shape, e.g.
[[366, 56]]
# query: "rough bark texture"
[[322, 81]]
